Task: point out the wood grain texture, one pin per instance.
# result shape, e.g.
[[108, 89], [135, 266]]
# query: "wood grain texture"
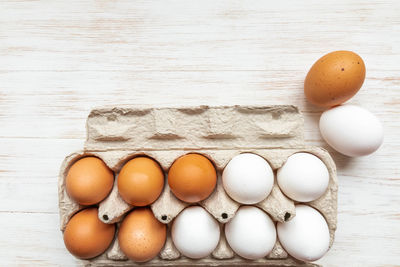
[[58, 59]]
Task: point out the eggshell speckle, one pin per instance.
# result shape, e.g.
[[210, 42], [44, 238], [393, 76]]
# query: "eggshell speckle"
[[141, 236], [334, 78]]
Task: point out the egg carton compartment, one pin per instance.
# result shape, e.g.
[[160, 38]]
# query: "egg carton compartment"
[[117, 135]]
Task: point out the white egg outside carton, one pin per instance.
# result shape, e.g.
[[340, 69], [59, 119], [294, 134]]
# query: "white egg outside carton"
[[263, 140], [351, 130]]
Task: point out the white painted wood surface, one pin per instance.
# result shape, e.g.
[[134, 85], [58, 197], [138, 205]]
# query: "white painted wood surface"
[[58, 59]]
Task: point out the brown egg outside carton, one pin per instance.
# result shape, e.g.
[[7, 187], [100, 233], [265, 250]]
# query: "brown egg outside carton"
[[334, 78], [117, 135]]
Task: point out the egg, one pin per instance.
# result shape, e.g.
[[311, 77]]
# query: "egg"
[[141, 236], [85, 236], [334, 78], [89, 181], [351, 130], [251, 233], [192, 178], [306, 236], [195, 233], [248, 178], [303, 177], [140, 181]]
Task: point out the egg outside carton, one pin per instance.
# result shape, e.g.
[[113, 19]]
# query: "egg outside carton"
[[258, 135]]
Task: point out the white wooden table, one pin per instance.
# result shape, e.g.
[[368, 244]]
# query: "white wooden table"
[[58, 59]]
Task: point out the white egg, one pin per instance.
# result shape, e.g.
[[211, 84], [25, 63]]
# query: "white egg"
[[251, 233], [303, 177], [351, 130], [195, 233], [306, 236], [248, 178]]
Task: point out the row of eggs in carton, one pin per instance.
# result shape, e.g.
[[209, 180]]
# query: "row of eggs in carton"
[[268, 210]]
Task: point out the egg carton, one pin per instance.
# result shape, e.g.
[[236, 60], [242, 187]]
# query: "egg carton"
[[118, 134]]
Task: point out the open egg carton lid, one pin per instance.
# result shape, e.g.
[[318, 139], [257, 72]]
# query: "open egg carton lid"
[[117, 134], [191, 128]]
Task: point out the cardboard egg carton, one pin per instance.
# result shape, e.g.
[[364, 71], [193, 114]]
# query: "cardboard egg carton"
[[118, 134]]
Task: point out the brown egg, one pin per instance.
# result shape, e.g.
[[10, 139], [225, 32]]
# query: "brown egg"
[[89, 181], [334, 78], [140, 181], [192, 178], [141, 236], [85, 236]]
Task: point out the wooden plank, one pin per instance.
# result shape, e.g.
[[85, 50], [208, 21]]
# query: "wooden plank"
[[33, 239], [29, 173], [200, 35], [56, 104]]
